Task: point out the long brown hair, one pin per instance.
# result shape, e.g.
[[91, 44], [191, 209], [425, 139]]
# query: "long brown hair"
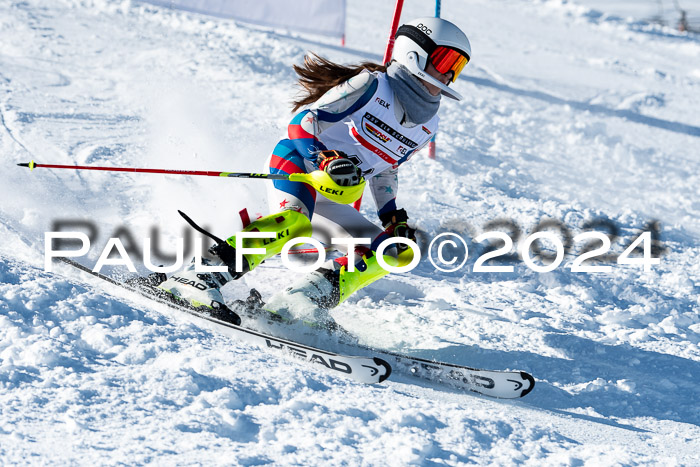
[[318, 75]]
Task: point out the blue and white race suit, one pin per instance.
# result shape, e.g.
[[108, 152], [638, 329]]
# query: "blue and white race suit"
[[362, 118]]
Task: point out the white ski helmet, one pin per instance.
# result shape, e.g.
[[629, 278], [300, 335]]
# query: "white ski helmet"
[[435, 40]]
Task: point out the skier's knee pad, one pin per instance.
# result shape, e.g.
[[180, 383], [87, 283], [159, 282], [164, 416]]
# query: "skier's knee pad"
[[286, 225], [365, 272], [403, 258]]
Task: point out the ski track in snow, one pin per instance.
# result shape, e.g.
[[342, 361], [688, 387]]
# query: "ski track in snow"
[[571, 114]]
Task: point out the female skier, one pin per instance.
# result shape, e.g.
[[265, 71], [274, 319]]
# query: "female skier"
[[359, 122]]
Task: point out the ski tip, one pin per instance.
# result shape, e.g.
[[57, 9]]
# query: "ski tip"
[[528, 377], [384, 364]]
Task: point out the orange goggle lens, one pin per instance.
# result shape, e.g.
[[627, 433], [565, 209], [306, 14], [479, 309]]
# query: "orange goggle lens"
[[445, 59]]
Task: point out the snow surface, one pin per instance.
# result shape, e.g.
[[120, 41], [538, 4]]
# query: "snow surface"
[[571, 115]]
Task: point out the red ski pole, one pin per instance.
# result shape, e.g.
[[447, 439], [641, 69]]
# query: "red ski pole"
[[317, 179]]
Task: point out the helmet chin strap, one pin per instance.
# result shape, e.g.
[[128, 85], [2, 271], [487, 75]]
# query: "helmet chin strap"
[[416, 70]]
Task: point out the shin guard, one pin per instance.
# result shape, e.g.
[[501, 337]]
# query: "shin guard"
[[286, 225]]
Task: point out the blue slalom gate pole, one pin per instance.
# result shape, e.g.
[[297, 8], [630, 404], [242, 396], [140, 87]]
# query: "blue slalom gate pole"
[[432, 147]]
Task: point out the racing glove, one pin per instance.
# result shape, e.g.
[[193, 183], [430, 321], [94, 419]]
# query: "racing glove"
[[341, 169], [395, 224]]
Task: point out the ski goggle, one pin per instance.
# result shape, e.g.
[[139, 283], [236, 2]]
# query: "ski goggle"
[[445, 60]]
